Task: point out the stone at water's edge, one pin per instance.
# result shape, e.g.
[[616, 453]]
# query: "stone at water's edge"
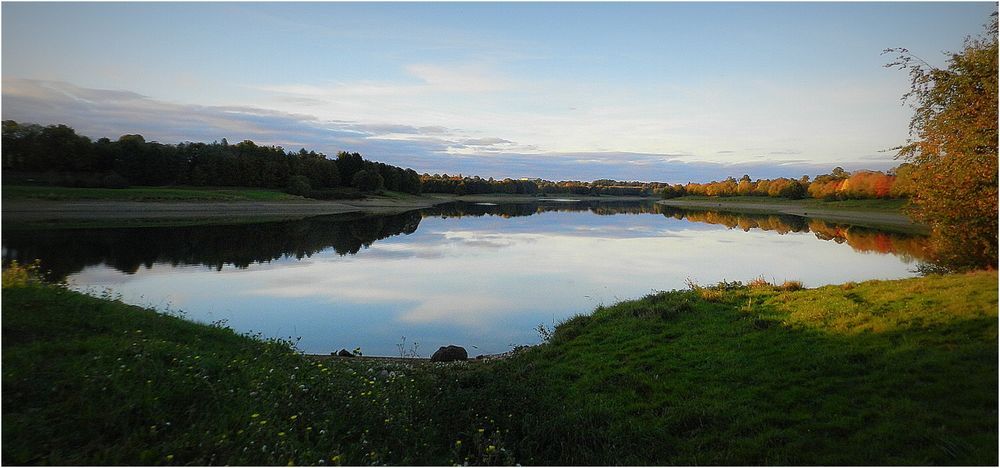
[[450, 353], [344, 353]]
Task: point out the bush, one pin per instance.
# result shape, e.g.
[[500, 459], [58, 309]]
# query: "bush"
[[298, 185], [114, 180]]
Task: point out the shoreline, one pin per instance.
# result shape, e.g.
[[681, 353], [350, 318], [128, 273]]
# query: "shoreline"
[[45, 211], [48, 213], [875, 218]]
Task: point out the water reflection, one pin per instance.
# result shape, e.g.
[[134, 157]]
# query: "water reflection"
[[860, 238], [67, 251], [474, 275]]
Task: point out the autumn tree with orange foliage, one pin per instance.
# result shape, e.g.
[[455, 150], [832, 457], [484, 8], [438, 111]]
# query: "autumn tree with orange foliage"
[[953, 148]]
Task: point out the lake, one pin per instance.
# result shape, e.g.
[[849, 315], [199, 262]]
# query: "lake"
[[482, 276]]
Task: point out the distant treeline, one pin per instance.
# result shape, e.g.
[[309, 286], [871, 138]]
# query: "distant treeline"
[[58, 156], [459, 185], [838, 185]]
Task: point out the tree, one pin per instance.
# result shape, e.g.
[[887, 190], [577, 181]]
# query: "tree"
[[367, 180], [348, 164], [953, 148]]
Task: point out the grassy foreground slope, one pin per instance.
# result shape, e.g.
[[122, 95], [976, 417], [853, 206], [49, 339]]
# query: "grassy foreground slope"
[[881, 372]]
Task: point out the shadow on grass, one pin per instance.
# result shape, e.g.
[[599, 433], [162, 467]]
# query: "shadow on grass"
[[673, 380]]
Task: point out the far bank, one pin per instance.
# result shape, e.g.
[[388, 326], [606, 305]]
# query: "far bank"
[[874, 213]]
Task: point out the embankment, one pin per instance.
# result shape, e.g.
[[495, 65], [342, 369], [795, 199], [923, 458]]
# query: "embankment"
[[875, 373]]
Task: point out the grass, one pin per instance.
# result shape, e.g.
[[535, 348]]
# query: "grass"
[[25, 192], [878, 205], [880, 372], [109, 223]]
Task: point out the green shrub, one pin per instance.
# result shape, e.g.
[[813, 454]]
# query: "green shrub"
[[298, 185]]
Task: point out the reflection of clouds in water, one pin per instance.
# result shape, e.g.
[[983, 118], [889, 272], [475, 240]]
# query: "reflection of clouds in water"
[[475, 311], [463, 279], [400, 251], [487, 240]]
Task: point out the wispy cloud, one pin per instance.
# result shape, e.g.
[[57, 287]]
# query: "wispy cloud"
[[430, 148]]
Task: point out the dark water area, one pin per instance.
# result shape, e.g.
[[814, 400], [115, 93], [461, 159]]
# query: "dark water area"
[[478, 275]]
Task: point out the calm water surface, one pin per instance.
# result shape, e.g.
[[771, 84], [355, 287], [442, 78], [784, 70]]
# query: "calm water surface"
[[478, 275]]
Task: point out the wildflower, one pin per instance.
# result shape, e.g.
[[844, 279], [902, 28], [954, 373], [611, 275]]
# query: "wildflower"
[[458, 443], [481, 430], [255, 415], [170, 458], [294, 417], [335, 459], [309, 428], [491, 449], [281, 434], [263, 423]]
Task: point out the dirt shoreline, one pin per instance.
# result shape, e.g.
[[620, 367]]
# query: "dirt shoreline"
[[878, 218]]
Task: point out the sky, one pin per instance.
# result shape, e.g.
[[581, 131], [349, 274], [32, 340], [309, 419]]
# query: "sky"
[[672, 92]]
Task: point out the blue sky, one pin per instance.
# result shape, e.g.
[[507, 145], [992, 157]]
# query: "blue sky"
[[638, 91]]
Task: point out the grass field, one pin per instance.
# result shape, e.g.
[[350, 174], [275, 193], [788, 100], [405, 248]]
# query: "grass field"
[[22, 192], [881, 372]]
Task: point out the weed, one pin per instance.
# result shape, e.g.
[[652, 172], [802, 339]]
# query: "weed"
[[791, 286], [20, 276], [759, 283], [405, 352], [544, 333]]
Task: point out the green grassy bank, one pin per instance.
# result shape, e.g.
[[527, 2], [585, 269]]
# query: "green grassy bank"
[[32, 192], [881, 372]]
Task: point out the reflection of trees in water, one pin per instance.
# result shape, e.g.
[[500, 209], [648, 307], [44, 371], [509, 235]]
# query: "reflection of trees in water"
[[510, 210], [67, 251], [861, 239]]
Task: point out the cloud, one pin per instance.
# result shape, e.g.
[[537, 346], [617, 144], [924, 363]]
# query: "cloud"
[[486, 142], [110, 113], [458, 79], [425, 148]]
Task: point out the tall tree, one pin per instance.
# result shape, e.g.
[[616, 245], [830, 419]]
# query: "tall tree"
[[953, 146]]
